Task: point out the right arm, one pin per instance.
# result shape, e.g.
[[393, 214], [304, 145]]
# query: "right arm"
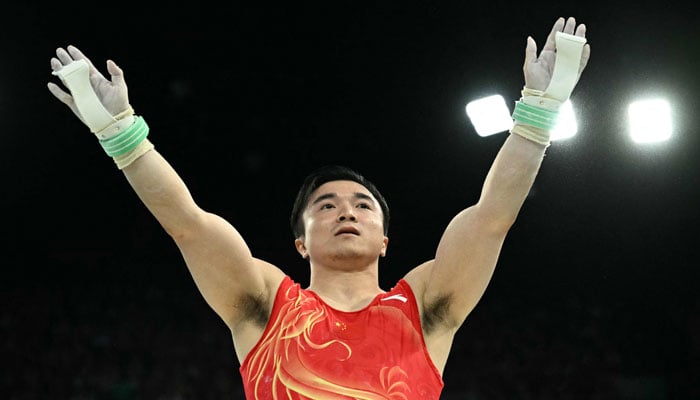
[[238, 287], [232, 281]]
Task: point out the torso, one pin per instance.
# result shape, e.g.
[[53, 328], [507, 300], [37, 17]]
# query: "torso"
[[310, 350]]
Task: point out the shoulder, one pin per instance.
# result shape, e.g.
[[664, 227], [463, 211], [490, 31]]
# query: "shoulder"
[[272, 276], [418, 277]]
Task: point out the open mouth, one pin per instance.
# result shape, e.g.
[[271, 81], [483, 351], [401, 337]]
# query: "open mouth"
[[347, 231]]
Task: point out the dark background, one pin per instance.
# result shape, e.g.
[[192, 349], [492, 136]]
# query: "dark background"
[[595, 295]]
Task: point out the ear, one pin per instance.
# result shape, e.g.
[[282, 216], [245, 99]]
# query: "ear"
[[385, 243], [301, 248]]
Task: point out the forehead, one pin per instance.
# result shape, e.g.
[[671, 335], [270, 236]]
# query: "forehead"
[[340, 189]]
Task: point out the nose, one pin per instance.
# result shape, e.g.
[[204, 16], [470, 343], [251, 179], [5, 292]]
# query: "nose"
[[346, 214]]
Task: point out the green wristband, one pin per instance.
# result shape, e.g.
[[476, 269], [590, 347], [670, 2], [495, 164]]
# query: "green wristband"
[[535, 116], [127, 140]]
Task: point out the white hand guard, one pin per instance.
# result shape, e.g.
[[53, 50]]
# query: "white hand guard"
[[566, 73], [76, 77]]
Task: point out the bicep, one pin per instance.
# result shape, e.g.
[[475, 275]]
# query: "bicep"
[[227, 275], [464, 264], [225, 272]]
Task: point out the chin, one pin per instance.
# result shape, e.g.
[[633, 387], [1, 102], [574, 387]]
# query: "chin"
[[355, 257]]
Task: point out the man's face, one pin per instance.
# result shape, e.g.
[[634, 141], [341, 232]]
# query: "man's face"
[[342, 220]]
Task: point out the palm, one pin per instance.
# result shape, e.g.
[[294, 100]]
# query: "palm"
[[539, 72], [113, 97], [538, 69]]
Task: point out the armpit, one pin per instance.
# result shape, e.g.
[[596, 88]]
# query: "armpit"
[[255, 309], [436, 314]]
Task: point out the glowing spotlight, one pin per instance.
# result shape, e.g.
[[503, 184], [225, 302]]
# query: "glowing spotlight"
[[566, 123], [650, 120], [489, 115]]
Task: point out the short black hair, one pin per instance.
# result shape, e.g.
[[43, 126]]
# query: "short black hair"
[[326, 174]]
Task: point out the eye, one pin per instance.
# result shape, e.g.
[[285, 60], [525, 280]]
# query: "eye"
[[326, 206], [364, 205]]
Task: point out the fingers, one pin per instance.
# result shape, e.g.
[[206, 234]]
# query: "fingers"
[[530, 52], [550, 44], [116, 73], [61, 95], [95, 75], [56, 64], [570, 25], [70, 54], [76, 54], [62, 57], [567, 25], [586, 53], [67, 56], [585, 56]]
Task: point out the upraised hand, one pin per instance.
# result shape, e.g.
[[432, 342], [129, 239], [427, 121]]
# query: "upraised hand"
[[112, 93], [538, 70]]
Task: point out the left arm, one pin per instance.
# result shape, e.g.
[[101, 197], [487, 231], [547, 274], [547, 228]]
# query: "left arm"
[[449, 287], [467, 253]]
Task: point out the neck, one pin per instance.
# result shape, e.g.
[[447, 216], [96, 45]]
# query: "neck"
[[346, 290]]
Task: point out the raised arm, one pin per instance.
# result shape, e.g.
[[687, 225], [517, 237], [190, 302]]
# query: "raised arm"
[[232, 281], [449, 287]]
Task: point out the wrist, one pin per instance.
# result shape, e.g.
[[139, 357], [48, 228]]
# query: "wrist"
[[531, 133], [122, 121], [126, 159], [539, 98], [127, 139]]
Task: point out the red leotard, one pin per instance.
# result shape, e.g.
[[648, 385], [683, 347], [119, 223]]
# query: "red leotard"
[[312, 351]]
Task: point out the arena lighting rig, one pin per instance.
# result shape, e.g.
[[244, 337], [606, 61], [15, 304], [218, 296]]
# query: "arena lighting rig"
[[649, 120]]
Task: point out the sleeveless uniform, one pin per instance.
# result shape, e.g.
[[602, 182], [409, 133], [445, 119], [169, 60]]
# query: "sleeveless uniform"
[[312, 351]]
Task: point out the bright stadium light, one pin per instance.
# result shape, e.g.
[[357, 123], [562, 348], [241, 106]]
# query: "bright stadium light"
[[566, 123], [650, 120], [489, 115]]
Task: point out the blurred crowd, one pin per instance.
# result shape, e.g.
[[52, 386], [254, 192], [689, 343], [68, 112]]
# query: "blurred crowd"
[[100, 330]]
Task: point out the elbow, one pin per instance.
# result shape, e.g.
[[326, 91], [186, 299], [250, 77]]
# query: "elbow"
[[494, 220], [185, 226]]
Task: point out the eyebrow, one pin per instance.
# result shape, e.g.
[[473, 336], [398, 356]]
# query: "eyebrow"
[[325, 196]]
